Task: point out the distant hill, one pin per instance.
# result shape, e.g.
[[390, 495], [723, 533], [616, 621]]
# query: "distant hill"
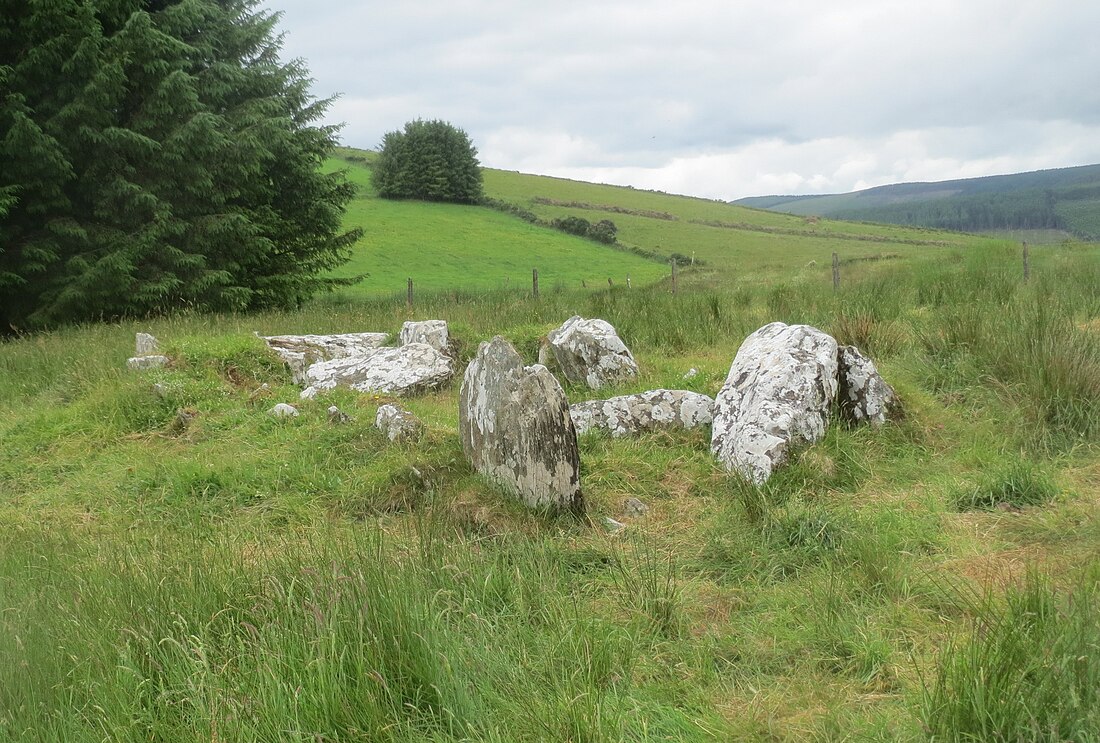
[[1066, 199]]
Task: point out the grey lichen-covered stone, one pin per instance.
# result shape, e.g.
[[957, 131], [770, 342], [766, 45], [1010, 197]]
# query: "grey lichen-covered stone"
[[864, 396], [432, 332], [395, 371], [337, 416], [141, 363], [398, 424], [145, 345], [590, 352], [646, 411], [299, 352], [516, 430], [282, 410], [634, 507], [777, 396]]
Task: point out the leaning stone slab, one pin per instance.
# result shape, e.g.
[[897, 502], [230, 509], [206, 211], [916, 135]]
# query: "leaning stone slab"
[[300, 351], [516, 430], [146, 362], [590, 352], [398, 424], [395, 371], [864, 396], [776, 397], [646, 411], [432, 332]]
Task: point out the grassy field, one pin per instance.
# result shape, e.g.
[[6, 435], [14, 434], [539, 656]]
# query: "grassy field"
[[248, 579], [466, 248]]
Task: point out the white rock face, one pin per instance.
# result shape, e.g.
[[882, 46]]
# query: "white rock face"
[[777, 396], [645, 411], [398, 424], [516, 430], [864, 395], [300, 351], [282, 410], [145, 345], [146, 362], [590, 352], [432, 332], [395, 371]]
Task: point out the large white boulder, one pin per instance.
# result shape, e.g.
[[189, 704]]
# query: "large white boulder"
[[646, 411], [590, 352], [432, 332], [864, 396], [777, 396], [395, 371], [516, 430], [299, 352]]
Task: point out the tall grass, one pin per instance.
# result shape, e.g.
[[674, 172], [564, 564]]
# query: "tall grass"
[[1028, 671]]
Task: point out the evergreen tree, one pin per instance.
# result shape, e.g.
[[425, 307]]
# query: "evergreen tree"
[[157, 154], [430, 160]]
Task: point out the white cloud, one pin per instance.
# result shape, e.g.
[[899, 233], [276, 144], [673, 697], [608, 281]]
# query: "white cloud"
[[716, 98]]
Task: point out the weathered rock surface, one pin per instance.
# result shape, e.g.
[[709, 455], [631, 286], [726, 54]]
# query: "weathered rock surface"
[[432, 332], [516, 430], [645, 411], [337, 416], [299, 352], [864, 396], [146, 362], [145, 345], [395, 371], [634, 507], [591, 352], [282, 410], [777, 396], [398, 424]]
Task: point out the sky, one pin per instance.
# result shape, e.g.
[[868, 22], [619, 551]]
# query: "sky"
[[719, 99]]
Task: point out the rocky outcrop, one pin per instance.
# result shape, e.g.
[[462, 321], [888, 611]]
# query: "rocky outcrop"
[[646, 411], [864, 396], [397, 424], [404, 370], [590, 352], [777, 396], [299, 352], [516, 430], [432, 332]]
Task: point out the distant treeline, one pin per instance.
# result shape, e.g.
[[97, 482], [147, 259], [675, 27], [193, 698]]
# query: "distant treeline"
[[1024, 210]]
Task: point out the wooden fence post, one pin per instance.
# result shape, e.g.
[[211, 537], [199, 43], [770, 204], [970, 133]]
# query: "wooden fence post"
[[1027, 265], [535, 282], [609, 282], [673, 275], [409, 294], [628, 281], [836, 272]]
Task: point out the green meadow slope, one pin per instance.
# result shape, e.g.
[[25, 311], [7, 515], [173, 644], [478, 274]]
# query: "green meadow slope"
[[178, 565], [446, 246]]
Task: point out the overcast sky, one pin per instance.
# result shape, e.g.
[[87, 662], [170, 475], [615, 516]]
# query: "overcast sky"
[[721, 99]]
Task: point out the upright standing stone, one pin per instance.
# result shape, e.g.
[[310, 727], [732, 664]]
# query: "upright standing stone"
[[145, 345], [777, 396], [591, 352], [864, 395], [516, 430]]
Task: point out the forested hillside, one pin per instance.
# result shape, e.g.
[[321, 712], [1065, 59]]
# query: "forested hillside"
[[1066, 199]]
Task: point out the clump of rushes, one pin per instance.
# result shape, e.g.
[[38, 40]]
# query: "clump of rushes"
[[1017, 485]]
